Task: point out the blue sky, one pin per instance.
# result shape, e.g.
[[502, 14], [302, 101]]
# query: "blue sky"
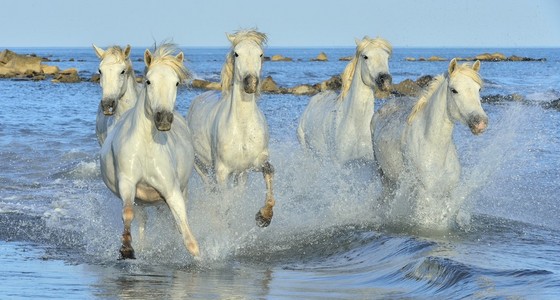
[[407, 23]]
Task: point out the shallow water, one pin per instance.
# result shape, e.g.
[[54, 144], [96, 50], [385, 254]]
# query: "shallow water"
[[60, 226]]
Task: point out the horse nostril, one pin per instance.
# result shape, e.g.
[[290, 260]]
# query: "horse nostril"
[[108, 106], [384, 81], [250, 83]]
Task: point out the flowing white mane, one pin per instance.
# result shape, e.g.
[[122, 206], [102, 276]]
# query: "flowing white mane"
[[163, 54], [348, 73], [465, 69], [241, 35]]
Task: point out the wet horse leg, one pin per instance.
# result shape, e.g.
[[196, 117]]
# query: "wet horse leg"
[[264, 216], [202, 170], [177, 204], [126, 192], [141, 217]]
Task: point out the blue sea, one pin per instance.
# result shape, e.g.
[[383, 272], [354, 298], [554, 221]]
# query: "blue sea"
[[60, 226]]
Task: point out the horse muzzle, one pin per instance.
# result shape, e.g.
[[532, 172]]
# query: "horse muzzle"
[[384, 81], [250, 84], [477, 123], [109, 106], [163, 120]]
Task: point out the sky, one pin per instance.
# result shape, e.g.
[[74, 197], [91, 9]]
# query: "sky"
[[288, 23]]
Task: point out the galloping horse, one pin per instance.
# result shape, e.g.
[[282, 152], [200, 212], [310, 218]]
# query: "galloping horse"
[[338, 126], [413, 143], [230, 133], [148, 155], [120, 89]]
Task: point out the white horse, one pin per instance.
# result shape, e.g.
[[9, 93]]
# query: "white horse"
[[413, 145], [230, 133], [148, 155], [120, 89], [338, 126]]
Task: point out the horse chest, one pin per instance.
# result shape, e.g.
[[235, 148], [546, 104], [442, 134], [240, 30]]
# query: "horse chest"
[[241, 146]]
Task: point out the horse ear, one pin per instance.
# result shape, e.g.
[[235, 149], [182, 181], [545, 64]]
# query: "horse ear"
[[476, 66], [452, 66], [230, 37], [358, 41], [147, 57], [180, 57], [98, 51], [127, 51]]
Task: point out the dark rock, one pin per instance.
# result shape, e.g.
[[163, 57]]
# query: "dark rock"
[[67, 76], [333, 83], [424, 81], [269, 86]]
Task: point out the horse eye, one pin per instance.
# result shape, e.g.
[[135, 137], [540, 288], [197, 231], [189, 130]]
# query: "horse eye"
[[454, 91], [236, 55], [365, 57], [148, 82], [177, 84], [122, 72], [261, 55], [99, 70]]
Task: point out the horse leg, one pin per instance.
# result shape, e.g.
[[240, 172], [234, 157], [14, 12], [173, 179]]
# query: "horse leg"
[[142, 217], [127, 193], [264, 216], [222, 174], [202, 170], [240, 179], [177, 205]]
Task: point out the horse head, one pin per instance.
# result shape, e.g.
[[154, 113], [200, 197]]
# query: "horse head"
[[244, 61], [373, 55], [164, 72], [463, 94], [114, 69]]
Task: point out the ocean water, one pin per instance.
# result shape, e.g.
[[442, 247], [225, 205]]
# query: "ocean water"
[[60, 226]]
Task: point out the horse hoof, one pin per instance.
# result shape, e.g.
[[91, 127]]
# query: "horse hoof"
[[127, 253], [262, 221]]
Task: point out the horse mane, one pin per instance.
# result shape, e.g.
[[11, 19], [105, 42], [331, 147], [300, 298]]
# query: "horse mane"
[[118, 52], [425, 96], [227, 70], [348, 73], [164, 54], [465, 69]]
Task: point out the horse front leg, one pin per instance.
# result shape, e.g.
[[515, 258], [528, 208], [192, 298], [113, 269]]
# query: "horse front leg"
[[141, 217], [264, 216], [177, 204], [127, 193], [202, 171]]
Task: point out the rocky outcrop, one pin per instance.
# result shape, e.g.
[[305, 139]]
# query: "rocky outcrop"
[[321, 57], [67, 76], [206, 85], [13, 65], [497, 56], [269, 86], [333, 83], [279, 57]]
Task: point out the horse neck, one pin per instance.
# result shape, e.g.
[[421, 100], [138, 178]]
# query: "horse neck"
[[434, 118], [360, 97], [142, 120], [241, 105], [128, 100]]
